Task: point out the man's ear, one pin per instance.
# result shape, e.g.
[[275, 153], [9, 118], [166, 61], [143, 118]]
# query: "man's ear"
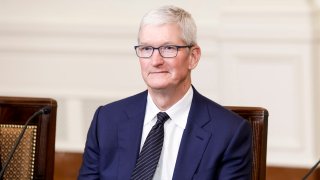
[[194, 58]]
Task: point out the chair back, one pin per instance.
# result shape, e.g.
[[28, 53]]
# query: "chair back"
[[258, 119], [34, 157]]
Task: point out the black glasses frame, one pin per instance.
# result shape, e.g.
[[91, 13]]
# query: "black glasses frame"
[[158, 48]]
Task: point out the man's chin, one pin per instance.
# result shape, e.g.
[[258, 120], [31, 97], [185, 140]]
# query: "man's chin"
[[157, 86]]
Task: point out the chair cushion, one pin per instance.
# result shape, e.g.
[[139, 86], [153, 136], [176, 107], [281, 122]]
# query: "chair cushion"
[[21, 165]]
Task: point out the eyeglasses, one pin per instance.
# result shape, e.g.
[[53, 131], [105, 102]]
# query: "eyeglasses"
[[167, 51]]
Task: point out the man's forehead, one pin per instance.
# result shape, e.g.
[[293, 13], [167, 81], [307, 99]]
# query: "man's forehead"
[[160, 34]]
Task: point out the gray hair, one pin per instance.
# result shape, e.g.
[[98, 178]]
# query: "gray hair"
[[172, 14]]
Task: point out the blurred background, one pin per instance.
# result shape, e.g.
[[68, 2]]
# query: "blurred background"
[[254, 53]]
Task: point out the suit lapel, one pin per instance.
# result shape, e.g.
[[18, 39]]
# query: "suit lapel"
[[194, 140], [130, 130]]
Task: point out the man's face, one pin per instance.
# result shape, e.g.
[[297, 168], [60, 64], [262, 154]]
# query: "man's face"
[[165, 73]]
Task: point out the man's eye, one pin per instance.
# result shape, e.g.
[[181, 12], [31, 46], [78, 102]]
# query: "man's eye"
[[169, 48], [148, 48]]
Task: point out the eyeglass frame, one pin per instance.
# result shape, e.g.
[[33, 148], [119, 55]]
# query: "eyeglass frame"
[[158, 48]]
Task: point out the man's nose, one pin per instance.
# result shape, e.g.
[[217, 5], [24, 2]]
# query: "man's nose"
[[156, 58]]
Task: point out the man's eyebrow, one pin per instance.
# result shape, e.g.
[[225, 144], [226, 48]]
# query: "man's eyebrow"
[[163, 44]]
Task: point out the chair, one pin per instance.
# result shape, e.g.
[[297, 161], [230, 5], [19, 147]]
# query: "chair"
[[258, 119], [34, 157]]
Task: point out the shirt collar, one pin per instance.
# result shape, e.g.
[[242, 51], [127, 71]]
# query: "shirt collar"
[[178, 112]]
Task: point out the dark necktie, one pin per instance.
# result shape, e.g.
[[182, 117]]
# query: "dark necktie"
[[149, 156]]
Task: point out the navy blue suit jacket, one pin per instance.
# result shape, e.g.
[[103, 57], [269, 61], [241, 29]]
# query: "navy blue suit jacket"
[[216, 144]]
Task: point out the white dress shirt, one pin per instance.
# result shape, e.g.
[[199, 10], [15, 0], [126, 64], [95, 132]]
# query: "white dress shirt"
[[173, 130]]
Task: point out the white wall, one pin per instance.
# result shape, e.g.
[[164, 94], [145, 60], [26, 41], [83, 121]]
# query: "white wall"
[[255, 53]]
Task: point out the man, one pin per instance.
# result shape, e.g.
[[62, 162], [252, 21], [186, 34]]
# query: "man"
[[198, 139]]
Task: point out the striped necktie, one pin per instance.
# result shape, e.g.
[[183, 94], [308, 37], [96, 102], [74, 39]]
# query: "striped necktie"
[[149, 156]]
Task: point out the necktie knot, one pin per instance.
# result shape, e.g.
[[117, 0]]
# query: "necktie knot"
[[162, 117]]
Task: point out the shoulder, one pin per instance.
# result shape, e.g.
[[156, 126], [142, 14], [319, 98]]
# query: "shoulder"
[[224, 125], [220, 116], [111, 113]]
